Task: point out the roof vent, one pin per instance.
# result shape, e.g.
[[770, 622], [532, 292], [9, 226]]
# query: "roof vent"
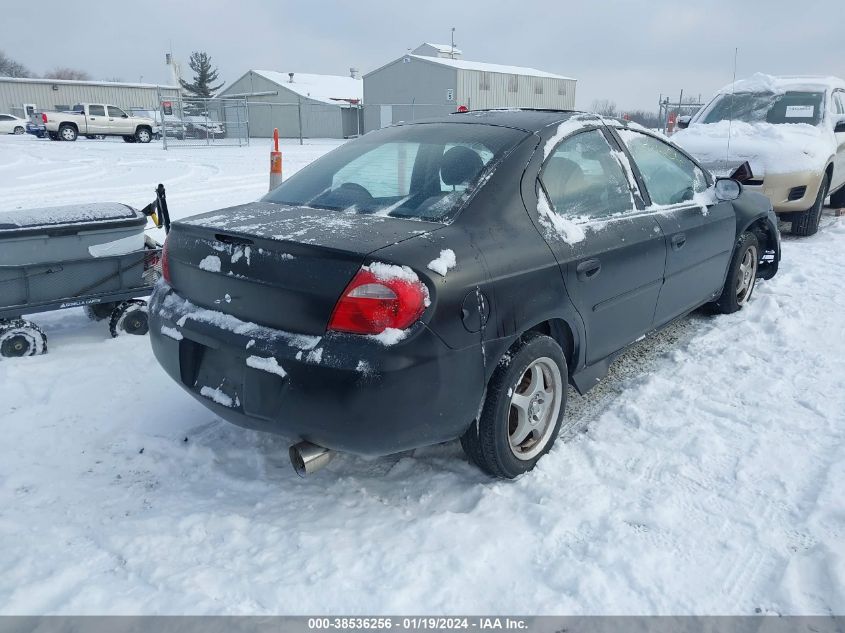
[[353, 72], [291, 77]]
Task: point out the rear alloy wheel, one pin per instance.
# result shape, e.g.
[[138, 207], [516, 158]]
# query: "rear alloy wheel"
[[20, 337], [523, 409], [67, 133], [130, 317], [807, 223], [143, 135], [742, 275], [19, 130]]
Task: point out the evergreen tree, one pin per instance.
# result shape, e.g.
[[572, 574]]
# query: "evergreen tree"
[[204, 75]]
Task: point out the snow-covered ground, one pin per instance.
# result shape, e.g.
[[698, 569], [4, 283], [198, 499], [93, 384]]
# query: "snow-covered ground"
[[707, 474]]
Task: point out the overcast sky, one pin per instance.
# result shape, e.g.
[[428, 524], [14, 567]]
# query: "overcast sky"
[[628, 52]]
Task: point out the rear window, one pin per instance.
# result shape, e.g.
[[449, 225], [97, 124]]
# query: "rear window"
[[766, 107], [424, 171]]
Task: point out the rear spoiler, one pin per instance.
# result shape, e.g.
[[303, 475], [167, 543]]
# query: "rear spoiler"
[[157, 210]]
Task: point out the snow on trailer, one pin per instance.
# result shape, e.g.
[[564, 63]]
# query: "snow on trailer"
[[91, 255]]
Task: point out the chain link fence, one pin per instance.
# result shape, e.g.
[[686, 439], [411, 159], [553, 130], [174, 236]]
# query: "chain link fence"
[[195, 121]]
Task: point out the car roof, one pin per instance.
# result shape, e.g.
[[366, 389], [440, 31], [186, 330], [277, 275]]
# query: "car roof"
[[529, 120]]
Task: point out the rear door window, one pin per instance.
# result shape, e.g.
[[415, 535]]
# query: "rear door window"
[[670, 177], [583, 179], [96, 110]]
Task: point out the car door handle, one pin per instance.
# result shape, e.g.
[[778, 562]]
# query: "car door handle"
[[588, 269], [678, 241]]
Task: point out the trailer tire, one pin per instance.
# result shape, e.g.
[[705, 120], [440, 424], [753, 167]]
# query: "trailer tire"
[[130, 317], [20, 337], [67, 132], [54, 136], [128, 138]]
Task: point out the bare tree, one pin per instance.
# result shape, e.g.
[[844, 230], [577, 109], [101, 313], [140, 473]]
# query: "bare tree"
[[644, 118], [10, 68], [604, 107], [61, 72]]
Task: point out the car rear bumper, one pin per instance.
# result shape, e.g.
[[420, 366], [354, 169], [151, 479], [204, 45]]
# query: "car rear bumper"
[[344, 392]]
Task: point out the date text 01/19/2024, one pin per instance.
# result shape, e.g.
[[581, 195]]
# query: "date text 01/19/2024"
[[418, 623]]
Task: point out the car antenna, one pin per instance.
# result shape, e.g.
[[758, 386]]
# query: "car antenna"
[[731, 112]]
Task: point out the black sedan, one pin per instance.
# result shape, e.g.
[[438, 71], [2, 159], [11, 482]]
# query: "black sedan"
[[448, 278]]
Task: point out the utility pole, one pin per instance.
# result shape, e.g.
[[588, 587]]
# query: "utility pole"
[[452, 54]]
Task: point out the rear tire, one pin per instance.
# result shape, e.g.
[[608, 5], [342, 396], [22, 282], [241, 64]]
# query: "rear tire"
[[807, 223], [20, 130], [129, 317], [68, 133], [19, 338], [742, 275], [523, 409]]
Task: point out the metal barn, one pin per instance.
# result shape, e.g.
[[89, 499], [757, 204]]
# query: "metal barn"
[[433, 80], [313, 106], [22, 97]]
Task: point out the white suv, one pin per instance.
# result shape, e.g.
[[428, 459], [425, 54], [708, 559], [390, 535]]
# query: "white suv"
[[791, 130]]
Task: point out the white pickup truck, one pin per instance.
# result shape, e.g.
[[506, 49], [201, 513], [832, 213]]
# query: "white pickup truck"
[[98, 119]]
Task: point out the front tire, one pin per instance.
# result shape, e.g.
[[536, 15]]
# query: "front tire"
[[143, 135], [68, 133], [742, 275], [807, 223], [523, 409]]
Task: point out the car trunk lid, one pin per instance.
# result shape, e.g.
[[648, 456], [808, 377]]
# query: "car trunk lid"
[[279, 266]]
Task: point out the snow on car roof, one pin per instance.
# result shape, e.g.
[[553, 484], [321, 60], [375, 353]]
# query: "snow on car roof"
[[761, 82], [325, 88], [490, 68]]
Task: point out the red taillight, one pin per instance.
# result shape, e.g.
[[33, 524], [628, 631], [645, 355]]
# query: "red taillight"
[[44, 118], [372, 304], [165, 264]]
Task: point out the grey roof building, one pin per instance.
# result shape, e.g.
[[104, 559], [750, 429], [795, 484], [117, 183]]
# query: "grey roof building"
[[326, 106], [433, 80], [22, 97]]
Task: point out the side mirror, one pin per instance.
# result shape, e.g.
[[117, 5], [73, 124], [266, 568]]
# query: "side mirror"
[[125, 116], [727, 189], [839, 128], [683, 122]]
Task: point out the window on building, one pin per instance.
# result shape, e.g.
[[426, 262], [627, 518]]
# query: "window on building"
[[561, 89], [538, 87], [513, 83], [484, 81]]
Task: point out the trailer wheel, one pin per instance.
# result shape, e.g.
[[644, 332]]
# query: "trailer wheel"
[[54, 136], [130, 317], [100, 311], [20, 337], [128, 139]]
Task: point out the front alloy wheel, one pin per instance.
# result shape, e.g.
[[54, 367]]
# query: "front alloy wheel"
[[742, 275]]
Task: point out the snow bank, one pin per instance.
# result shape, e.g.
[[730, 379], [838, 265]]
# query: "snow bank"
[[445, 262]]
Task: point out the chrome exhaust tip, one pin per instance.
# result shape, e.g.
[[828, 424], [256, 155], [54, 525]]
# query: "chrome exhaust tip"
[[307, 458]]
